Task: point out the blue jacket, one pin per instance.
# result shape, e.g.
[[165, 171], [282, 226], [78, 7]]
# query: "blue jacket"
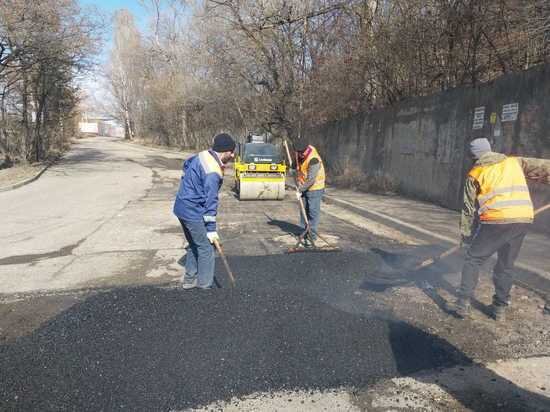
[[197, 198]]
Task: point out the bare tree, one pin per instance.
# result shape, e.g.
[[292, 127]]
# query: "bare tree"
[[44, 46], [127, 62], [286, 65]]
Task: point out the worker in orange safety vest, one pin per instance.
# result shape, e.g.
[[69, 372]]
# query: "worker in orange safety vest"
[[496, 215], [311, 186]]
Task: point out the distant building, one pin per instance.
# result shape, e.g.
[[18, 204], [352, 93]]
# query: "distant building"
[[100, 126], [88, 128]]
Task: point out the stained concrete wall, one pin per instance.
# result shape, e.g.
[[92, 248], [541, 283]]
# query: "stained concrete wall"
[[422, 142]]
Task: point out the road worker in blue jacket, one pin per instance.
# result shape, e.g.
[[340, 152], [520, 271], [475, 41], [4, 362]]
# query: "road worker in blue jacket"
[[196, 207]]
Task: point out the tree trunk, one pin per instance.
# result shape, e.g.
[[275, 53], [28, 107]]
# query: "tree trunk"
[[26, 149]]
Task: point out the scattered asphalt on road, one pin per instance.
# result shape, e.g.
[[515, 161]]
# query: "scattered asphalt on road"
[[90, 318]]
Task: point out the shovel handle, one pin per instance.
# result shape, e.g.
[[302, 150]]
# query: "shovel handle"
[[542, 209], [454, 249], [225, 263], [287, 153], [303, 211], [434, 259], [302, 208]]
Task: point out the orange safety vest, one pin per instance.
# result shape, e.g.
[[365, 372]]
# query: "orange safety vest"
[[304, 166], [504, 194]]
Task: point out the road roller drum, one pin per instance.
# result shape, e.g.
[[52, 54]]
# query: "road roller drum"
[[260, 171]]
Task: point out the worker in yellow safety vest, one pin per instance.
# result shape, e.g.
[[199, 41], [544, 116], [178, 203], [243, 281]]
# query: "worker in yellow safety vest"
[[311, 186], [496, 215]]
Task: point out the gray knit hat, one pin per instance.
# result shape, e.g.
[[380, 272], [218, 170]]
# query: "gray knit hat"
[[480, 146]]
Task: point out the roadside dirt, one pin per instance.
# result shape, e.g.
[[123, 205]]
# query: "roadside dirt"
[[18, 173]]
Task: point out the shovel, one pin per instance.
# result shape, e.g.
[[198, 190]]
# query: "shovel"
[[225, 263], [393, 275]]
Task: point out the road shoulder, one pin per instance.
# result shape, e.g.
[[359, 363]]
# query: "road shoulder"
[[18, 176]]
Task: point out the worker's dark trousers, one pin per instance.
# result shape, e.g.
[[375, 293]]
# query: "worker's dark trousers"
[[312, 203], [505, 240]]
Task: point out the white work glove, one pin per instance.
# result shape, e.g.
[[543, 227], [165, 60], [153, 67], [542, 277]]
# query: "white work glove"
[[298, 195], [212, 236]]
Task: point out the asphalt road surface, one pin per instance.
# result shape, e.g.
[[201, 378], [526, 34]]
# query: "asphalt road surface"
[[155, 349], [91, 317]]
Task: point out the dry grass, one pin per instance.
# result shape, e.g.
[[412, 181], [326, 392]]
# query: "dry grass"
[[18, 173]]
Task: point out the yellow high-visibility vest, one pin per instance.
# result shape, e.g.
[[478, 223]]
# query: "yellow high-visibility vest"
[[504, 194], [304, 166]]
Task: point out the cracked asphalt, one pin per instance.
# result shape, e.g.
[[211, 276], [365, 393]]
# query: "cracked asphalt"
[[90, 318]]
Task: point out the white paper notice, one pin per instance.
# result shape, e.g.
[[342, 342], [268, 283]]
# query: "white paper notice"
[[479, 118], [510, 112]]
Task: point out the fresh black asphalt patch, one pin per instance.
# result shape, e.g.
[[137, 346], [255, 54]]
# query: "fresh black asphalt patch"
[[151, 348]]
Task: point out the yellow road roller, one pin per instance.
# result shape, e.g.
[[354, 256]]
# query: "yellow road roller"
[[260, 171]]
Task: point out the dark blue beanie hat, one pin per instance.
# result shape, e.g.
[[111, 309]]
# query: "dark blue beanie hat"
[[223, 143]]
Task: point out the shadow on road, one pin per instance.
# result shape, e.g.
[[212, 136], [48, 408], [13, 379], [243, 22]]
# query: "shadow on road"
[[285, 226], [151, 348]]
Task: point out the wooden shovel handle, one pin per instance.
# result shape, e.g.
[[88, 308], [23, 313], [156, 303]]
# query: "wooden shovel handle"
[[225, 263], [542, 209], [434, 259], [302, 208], [287, 153]]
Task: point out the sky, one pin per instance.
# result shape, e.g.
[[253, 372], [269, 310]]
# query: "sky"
[[110, 6], [94, 84]]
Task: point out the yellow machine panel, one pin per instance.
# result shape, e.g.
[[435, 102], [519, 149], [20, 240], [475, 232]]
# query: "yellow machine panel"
[[260, 172]]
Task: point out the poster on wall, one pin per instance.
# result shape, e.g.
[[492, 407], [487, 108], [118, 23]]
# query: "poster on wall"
[[479, 118], [510, 112]]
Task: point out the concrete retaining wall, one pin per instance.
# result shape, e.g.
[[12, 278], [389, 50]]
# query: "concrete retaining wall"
[[422, 142]]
